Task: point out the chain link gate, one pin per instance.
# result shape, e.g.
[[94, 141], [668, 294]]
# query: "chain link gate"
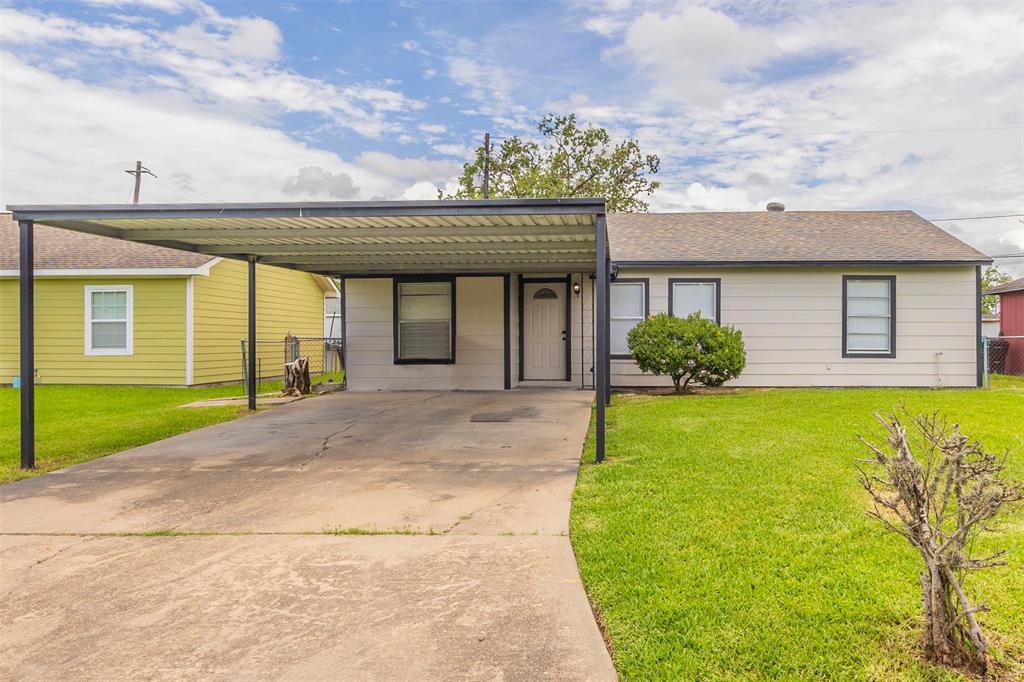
[[326, 362], [1003, 355]]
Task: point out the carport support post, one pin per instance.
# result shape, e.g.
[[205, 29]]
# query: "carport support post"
[[28, 384], [601, 365], [252, 333], [608, 336]]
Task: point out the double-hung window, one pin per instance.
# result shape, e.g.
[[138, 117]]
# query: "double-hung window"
[[425, 321], [869, 316], [629, 307], [687, 296], [108, 320]]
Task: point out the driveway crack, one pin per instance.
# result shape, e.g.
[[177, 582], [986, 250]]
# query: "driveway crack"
[[323, 447], [327, 440]]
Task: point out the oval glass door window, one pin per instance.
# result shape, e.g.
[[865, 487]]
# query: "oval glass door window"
[[544, 293]]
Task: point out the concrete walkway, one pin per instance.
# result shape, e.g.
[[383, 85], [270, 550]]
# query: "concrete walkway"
[[205, 556]]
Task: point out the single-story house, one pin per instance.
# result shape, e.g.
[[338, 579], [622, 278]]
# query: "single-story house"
[[500, 294], [116, 312], [823, 298], [1008, 352]]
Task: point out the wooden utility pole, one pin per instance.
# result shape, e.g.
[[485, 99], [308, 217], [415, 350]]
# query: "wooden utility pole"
[[487, 165], [139, 170]]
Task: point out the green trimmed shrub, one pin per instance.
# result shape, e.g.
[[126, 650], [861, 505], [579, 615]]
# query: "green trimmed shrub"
[[690, 349]]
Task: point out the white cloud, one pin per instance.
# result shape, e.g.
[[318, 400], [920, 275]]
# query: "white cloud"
[[700, 197], [418, 169], [603, 24], [249, 38], [486, 79], [171, 6], [420, 191], [314, 181], [432, 128], [413, 46], [460, 150], [691, 51], [50, 156], [855, 106], [233, 62], [21, 27]]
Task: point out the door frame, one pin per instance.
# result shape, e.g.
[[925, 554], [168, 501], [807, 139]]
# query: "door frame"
[[567, 282]]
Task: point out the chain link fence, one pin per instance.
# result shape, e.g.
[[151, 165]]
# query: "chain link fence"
[[1004, 355], [325, 359]]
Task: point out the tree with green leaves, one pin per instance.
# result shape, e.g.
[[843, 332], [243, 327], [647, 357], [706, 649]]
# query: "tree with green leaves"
[[570, 161], [992, 277]]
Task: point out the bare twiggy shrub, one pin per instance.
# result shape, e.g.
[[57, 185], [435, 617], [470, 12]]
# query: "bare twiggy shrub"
[[937, 488]]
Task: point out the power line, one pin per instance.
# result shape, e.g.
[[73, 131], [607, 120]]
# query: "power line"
[[185, 188], [978, 217], [139, 170]]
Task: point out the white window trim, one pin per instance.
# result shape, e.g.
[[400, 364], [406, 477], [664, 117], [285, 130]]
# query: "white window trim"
[[129, 314]]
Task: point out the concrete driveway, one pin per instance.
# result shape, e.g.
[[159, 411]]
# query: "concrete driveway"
[[357, 536]]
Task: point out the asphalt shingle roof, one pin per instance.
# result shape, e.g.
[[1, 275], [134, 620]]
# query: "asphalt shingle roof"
[[784, 237], [1013, 285], [749, 237], [55, 249]]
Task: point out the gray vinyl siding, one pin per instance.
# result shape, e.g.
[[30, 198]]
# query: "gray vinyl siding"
[[479, 342], [514, 332], [791, 319], [583, 332]]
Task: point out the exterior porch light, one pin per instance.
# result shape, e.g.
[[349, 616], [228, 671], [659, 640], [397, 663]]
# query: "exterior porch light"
[[576, 288]]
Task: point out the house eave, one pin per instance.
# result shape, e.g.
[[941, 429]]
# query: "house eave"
[[201, 271], [793, 263]]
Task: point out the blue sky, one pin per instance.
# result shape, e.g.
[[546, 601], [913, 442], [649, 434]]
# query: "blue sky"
[[844, 105]]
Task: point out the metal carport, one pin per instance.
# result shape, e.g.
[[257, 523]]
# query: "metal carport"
[[346, 239]]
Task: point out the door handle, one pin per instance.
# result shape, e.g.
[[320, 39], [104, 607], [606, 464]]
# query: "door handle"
[[563, 335]]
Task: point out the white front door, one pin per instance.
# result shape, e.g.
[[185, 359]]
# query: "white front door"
[[544, 331]]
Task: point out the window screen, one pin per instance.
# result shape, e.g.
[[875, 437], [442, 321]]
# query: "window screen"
[[425, 321], [695, 297], [108, 321], [869, 311], [628, 308]]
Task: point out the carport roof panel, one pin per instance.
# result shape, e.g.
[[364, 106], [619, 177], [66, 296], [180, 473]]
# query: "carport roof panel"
[[357, 237]]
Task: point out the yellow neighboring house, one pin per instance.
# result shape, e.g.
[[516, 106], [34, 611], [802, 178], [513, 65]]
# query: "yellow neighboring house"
[[116, 312]]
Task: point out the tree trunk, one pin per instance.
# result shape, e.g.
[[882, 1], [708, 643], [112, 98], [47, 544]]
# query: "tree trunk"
[[936, 626], [296, 377]]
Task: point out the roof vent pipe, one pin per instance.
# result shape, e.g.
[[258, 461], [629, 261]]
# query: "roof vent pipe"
[[776, 206]]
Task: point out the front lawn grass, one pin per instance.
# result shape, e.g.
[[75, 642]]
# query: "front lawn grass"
[[78, 423], [725, 537]]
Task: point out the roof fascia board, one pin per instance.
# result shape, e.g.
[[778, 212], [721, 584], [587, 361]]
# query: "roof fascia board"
[[791, 263], [462, 269], [506, 207], [201, 271]]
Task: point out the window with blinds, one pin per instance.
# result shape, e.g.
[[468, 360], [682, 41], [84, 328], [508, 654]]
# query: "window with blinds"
[[694, 296], [869, 307], [424, 325]]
